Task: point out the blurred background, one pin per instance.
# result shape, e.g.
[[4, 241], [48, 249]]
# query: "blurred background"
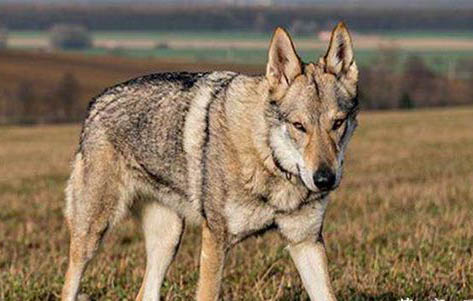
[[56, 54]]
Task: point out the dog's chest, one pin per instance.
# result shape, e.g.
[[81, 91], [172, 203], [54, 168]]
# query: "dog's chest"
[[245, 217], [285, 195], [247, 213], [281, 193]]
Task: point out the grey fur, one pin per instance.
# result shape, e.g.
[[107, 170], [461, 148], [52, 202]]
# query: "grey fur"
[[213, 148]]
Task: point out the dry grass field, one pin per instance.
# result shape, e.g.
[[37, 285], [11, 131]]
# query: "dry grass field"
[[400, 225]]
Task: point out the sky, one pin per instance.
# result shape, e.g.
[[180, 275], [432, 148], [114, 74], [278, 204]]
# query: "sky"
[[403, 3]]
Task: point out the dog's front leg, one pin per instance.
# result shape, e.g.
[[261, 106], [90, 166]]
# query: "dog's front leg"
[[311, 262], [212, 259]]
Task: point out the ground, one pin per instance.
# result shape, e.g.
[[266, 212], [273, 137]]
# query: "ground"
[[399, 226]]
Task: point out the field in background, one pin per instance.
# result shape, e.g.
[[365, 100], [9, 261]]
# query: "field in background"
[[439, 49], [40, 73], [399, 226]]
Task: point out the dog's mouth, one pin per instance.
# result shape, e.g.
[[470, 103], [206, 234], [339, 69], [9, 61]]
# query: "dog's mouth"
[[287, 174], [279, 166], [307, 180], [314, 191], [320, 194], [301, 173]]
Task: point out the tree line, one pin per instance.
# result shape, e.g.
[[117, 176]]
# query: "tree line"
[[217, 18], [29, 104], [381, 86], [416, 85]]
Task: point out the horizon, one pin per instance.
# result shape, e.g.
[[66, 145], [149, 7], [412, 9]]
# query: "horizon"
[[409, 4]]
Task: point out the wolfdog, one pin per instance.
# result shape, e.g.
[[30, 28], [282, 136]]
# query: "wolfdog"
[[237, 154]]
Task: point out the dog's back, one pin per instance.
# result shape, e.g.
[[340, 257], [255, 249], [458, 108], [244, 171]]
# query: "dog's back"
[[134, 134], [143, 119]]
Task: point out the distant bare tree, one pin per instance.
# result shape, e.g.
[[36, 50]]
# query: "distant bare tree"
[[26, 99], [465, 68], [416, 70], [161, 45], [380, 82], [4, 110], [470, 84], [68, 94], [406, 102], [68, 36], [3, 37], [420, 82]]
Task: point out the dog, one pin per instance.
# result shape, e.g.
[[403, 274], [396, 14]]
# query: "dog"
[[236, 154]]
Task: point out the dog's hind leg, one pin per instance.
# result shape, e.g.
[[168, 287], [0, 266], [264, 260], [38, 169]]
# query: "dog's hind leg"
[[92, 206], [83, 247], [162, 229]]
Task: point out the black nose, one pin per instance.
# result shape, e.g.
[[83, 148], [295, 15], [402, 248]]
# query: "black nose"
[[324, 178]]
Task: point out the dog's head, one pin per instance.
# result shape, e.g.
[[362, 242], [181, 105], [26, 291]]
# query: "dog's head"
[[311, 109]]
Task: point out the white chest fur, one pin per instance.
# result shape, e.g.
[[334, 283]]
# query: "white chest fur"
[[246, 217]]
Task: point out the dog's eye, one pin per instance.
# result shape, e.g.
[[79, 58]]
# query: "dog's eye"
[[299, 126], [337, 124]]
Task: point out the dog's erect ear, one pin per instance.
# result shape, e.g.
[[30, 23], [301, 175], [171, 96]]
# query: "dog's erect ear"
[[283, 62], [339, 56]]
